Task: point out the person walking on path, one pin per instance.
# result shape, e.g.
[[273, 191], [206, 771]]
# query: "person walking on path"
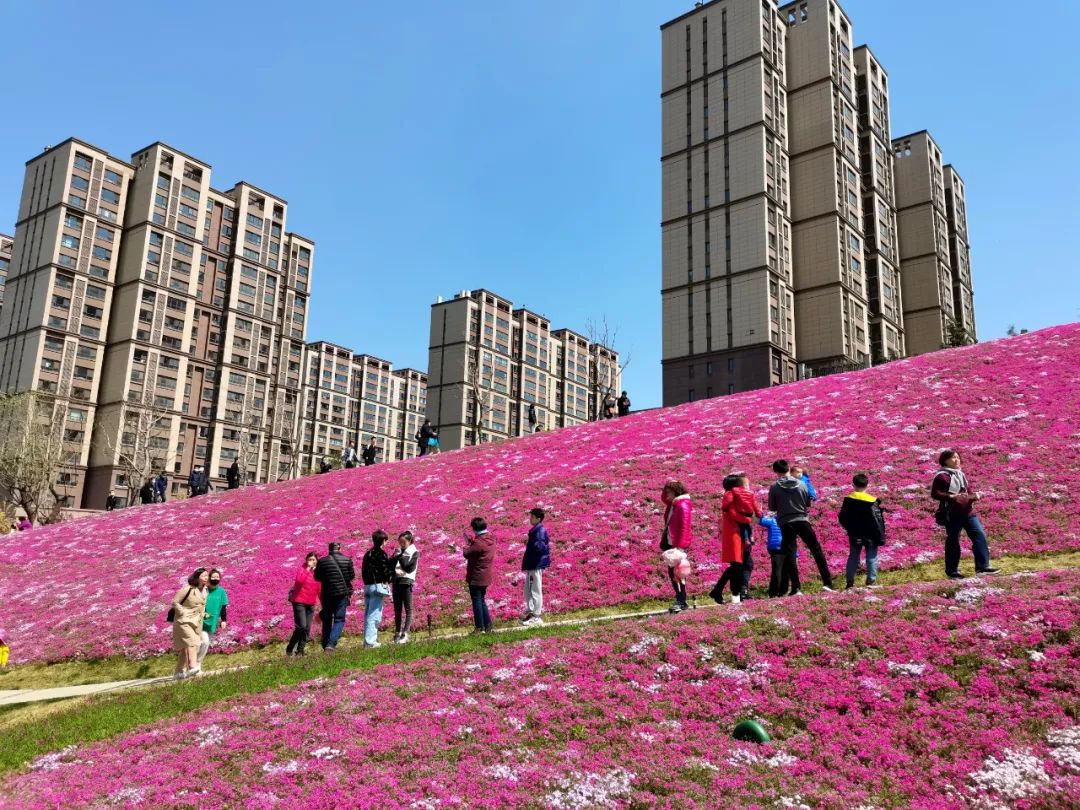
[[217, 607], [404, 563], [232, 475], [188, 612], [303, 595], [479, 553], [371, 452], [862, 518], [536, 558], [790, 501], [677, 534], [161, 487], [623, 403], [423, 435], [335, 573], [146, 492], [956, 507], [349, 459], [738, 509], [376, 572]]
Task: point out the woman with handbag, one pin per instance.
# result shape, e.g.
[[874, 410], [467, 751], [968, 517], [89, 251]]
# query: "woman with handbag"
[[188, 611], [303, 595], [676, 536], [376, 572]]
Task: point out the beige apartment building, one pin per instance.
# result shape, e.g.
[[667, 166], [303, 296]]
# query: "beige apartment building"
[[165, 316], [959, 253], [879, 209], [925, 261], [782, 218], [728, 301], [495, 372], [350, 398], [6, 243]]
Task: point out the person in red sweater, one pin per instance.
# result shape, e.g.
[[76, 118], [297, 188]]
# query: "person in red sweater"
[[678, 514], [303, 595], [738, 509]]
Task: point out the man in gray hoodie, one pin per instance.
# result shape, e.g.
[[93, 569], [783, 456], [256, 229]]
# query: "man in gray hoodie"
[[790, 500]]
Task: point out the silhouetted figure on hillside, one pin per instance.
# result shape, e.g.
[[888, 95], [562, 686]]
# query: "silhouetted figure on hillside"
[[623, 403]]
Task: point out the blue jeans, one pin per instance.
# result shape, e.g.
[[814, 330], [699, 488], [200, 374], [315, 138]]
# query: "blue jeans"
[[979, 548], [373, 603], [855, 546], [333, 621], [481, 617]]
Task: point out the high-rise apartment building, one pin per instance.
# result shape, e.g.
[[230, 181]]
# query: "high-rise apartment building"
[[493, 369], [728, 302], [831, 325], [783, 204], [925, 263], [959, 253], [165, 317], [6, 243], [879, 209]]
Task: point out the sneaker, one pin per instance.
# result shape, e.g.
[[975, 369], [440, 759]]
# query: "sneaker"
[[402, 639], [736, 600], [179, 676], [871, 583], [525, 617], [745, 595], [954, 575], [676, 608], [796, 593], [372, 645], [990, 570], [828, 589], [194, 673]]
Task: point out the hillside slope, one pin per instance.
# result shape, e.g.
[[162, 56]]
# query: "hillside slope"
[[101, 586]]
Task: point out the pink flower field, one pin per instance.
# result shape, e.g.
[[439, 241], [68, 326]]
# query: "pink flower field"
[[100, 586], [937, 695]]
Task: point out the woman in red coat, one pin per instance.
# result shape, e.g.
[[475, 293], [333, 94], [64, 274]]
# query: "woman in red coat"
[[738, 508], [677, 534]]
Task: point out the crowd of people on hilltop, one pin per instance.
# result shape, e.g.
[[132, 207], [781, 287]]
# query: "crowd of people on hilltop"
[[326, 584]]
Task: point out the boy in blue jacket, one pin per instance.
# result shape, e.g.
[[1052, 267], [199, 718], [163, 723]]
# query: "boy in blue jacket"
[[537, 557], [781, 575]]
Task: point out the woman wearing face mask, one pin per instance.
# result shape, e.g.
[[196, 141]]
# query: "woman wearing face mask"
[[217, 607], [303, 595], [189, 610]]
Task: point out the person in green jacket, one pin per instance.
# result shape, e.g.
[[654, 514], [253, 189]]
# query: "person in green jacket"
[[217, 604]]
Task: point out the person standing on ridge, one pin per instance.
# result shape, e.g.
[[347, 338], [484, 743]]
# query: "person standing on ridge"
[[532, 417], [335, 573], [404, 563], [956, 507], [146, 492], [862, 518], [536, 558], [161, 486], [790, 501], [370, 452], [677, 534], [198, 482], [377, 573], [479, 553], [348, 459], [426, 432], [623, 404], [232, 475]]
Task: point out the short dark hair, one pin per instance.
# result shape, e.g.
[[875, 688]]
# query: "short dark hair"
[[945, 456], [193, 580], [478, 524], [215, 571], [860, 480], [537, 513], [407, 535], [335, 546], [781, 467], [676, 488], [731, 481], [378, 537]]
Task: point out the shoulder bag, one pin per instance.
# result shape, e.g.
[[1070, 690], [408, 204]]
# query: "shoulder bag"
[[171, 615]]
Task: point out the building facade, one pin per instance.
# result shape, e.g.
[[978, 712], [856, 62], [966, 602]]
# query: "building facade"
[[495, 372], [165, 317], [959, 254], [784, 204], [6, 243]]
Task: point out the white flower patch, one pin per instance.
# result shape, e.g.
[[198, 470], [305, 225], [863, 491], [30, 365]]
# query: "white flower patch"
[[795, 802], [326, 752], [990, 630], [704, 764], [1065, 743], [643, 645], [705, 652], [724, 671], [50, 762], [971, 594], [502, 674], [914, 670], [666, 670], [590, 790], [515, 724], [870, 685], [210, 735], [1036, 656], [781, 622], [502, 772], [464, 731], [536, 687], [292, 766], [1018, 775]]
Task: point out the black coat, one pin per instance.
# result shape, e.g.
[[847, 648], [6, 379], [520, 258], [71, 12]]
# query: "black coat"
[[376, 567], [861, 515], [369, 453], [232, 476], [146, 494], [336, 573]]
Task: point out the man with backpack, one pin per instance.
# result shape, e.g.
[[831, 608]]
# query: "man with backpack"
[[956, 506], [336, 573], [423, 435]]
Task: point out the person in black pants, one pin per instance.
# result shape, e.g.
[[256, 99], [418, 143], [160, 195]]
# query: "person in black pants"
[[336, 573], [404, 564], [790, 500]]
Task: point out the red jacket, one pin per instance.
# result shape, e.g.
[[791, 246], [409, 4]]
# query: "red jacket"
[[738, 508], [305, 590], [678, 518], [480, 553]]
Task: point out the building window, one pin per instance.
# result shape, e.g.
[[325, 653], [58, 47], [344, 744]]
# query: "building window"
[[110, 196], [83, 162]]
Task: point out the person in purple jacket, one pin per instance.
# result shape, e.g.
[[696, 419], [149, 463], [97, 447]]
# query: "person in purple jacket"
[[479, 553], [537, 557]]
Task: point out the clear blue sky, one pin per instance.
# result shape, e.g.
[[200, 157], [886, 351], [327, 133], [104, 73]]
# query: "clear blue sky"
[[429, 147]]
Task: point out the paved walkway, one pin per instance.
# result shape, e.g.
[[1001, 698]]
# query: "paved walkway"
[[12, 697]]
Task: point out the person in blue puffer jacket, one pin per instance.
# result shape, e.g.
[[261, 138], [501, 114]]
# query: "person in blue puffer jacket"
[[537, 557], [802, 475], [778, 582]]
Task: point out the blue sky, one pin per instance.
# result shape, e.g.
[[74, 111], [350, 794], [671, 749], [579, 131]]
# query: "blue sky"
[[429, 147]]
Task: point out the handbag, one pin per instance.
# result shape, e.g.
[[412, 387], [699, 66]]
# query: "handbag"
[[170, 617]]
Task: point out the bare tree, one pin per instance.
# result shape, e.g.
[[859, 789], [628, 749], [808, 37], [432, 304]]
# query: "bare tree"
[[604, 377], [31, 456], [142, 445], [481, 405]]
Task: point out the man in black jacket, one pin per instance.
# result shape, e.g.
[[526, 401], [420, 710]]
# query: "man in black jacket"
[[370, 453], [232, 475], [146, 493], [335, 572], [198, 482], [790, 500], [862, 517], [426, 432]]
